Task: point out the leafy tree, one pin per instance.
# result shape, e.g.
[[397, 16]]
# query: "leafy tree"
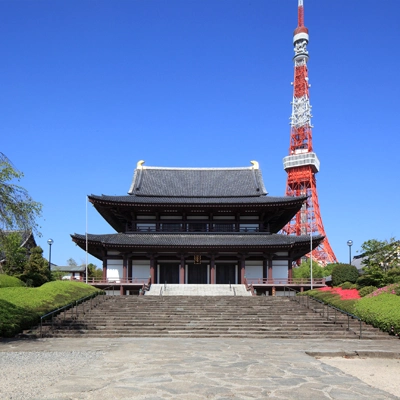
[[72, 263], [15, 256], [17, 208], [384, 254], [37, 269], [344, 273], [303, 270], [94, 272]]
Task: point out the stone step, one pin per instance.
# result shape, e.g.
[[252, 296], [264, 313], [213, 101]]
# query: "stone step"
[[208, 316]]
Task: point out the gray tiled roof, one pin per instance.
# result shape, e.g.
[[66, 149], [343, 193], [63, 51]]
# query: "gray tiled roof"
[[198, 200], [196, 240], [69, 268], [197, 182]]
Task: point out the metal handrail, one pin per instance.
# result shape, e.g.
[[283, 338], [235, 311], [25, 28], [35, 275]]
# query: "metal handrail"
[[299, 300], [72, 305]]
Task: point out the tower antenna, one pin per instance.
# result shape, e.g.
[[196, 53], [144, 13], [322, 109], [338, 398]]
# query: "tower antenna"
[[302, 163]]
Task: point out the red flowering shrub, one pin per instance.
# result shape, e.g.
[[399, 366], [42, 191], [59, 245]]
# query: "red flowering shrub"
[[345, 294]]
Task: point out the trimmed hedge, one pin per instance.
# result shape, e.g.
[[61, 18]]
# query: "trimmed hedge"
[[334, 299], [367, 290], [381, 311]]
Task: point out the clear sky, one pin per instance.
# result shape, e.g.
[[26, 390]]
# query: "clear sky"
[[90, 87]]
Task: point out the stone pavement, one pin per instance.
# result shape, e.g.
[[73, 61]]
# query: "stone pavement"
[[168, 368]]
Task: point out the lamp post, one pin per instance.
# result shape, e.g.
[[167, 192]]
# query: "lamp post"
[[50, 242], [350, 243]]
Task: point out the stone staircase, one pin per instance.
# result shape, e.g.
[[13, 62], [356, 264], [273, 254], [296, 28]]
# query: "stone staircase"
[[197, 290], [202, 317]]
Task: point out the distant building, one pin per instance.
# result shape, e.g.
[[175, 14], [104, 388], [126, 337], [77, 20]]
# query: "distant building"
[[70, 272]]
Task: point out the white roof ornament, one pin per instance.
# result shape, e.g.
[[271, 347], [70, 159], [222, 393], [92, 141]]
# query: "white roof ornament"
[[140, 163], [255, 164]]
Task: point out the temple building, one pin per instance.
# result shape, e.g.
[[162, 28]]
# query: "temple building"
[[196, 226]]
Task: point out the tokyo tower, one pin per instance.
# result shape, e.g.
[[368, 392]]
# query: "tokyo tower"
[[302, 163]]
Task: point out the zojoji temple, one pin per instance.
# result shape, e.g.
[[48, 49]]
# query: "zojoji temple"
[[197, 226]]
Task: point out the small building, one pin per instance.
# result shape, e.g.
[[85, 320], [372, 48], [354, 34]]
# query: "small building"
[[197, 225], [70, 272]]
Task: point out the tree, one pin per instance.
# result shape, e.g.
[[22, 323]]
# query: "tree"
[[383, 254], [15, 256], [344, 273], [303, 270], [17, 209], [37, 269], [72, 263], [94, 272]]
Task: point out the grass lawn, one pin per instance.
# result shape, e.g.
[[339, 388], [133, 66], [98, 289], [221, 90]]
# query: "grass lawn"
[[21, 307]]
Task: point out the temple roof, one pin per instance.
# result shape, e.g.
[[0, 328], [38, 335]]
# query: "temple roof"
[[186, 241], [128, 200], [197, 182]]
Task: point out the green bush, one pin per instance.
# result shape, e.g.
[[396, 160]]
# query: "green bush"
[[344, 273], [347, 285], [10, 281], [366, 290], [382, 311]]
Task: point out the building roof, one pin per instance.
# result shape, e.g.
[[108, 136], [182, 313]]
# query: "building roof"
[[186, 241], [145, 200], [197, 182], [68, 268]]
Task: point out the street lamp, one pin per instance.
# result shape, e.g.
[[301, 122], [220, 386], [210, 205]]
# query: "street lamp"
[[350, 243], [50, 242]]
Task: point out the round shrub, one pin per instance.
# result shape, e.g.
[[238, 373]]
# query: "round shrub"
[[347, 285], [367, 290], [344, 273]]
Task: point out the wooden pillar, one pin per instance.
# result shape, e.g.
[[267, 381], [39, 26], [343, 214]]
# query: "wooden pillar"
[[124, 268], [270, 277], [104, 265], [152, 269], [212, 269], [290, 271], [265, 269], [130, 270], [182, 270], [242, 268]]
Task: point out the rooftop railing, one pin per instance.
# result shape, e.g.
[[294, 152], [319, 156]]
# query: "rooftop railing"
[[286, 281]]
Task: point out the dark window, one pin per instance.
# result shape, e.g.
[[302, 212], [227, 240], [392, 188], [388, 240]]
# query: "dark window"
[[171, 227], [224, 227]]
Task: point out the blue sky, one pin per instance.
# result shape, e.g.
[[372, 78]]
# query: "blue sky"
[[88, 88]]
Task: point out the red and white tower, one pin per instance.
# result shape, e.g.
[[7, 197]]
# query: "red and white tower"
[[302, 163]]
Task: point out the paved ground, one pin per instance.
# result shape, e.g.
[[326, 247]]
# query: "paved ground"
[[209, 369]]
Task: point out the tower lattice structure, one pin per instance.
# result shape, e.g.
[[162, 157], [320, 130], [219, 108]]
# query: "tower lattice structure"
[[302, 163]]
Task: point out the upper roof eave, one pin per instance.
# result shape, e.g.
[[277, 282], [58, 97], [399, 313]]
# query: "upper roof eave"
[[129, 200]]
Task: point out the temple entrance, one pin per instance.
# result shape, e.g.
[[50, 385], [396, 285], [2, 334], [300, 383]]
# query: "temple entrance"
[[197, 273], [225, 273], [169, 273]]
